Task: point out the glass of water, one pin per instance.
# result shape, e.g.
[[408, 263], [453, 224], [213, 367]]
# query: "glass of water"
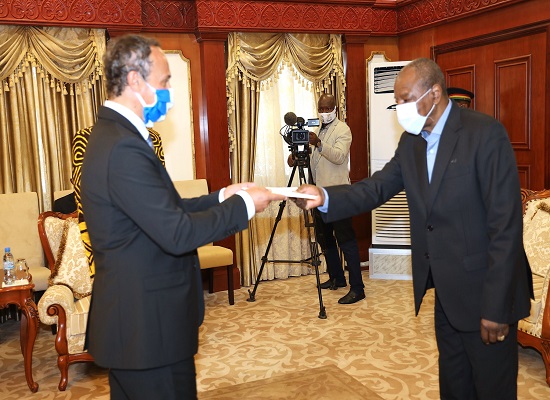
[[21, 269]]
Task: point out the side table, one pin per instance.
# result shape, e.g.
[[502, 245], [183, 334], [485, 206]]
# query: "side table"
[[22, 296]]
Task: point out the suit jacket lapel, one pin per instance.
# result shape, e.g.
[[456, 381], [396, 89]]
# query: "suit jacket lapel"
[[315, 155], [447, 143], [421, 165]]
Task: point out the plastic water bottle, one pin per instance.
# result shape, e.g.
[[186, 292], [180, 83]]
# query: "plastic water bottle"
[[9, 273]]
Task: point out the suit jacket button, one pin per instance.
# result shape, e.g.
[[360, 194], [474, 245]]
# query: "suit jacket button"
[[430, 228], [427, 255]]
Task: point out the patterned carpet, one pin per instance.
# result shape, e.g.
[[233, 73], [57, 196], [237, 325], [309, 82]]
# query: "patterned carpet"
[[278, 348]]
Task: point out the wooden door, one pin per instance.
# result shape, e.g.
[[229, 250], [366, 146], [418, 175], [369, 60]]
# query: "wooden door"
[[508, 75]]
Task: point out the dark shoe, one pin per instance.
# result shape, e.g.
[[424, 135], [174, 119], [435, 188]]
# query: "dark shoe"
[[352, 297], [332, 284], [326, 285], [336, 285]]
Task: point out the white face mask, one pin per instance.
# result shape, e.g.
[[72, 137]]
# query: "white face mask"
[[327, 118], [409, 118]]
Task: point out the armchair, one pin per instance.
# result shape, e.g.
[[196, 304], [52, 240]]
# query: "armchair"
[[67, 300], [210, 256], [534, 331]]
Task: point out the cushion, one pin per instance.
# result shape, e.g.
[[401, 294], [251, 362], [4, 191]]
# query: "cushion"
[[71, 265], [76, 326], [214, 256], [538, 286], [78, 320]]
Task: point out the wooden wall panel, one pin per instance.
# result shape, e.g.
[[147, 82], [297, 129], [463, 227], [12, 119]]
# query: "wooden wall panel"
[[214, 130], [512, 94], [510, 73], [524, 172], [356, 102], [463, 77]]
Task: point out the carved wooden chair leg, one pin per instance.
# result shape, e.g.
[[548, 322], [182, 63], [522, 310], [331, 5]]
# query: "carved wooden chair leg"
[[63, 365], [546, 358]]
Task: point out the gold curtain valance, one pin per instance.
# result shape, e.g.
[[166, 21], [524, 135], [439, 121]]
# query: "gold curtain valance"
[[67, 58], [256, 60]]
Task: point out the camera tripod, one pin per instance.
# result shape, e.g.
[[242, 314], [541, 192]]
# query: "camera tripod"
[[300, 162]]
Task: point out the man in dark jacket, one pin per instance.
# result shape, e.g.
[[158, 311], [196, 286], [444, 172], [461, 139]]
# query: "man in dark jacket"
[[459, 172], [147, 299]]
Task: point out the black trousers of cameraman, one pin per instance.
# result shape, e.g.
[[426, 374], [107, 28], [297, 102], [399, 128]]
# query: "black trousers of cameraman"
[[340, 234]]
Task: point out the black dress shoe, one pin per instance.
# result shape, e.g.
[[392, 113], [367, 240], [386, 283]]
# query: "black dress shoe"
[[332, 284], [326, 285], [352, 297], [336, 285]]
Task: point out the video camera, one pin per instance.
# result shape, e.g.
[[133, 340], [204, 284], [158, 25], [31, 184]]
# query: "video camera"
[[299, 135]]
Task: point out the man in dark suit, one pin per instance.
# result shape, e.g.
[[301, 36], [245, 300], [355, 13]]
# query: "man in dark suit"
[[147, 301], [458, 169]]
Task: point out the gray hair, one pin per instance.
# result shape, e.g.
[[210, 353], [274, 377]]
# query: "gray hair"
[[428, 73], [124, 54]]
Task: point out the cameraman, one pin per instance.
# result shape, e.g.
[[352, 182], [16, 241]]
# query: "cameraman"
[[329, 166]]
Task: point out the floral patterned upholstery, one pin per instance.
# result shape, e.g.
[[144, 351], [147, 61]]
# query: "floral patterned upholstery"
[[536, 235], [534, 330], [536, 241], [71, 265]]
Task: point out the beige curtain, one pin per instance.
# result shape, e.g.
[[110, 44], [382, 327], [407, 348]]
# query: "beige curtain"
[[50, 86], [255, 62]]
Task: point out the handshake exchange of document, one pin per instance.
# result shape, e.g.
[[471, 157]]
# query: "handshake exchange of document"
[[305, 196]]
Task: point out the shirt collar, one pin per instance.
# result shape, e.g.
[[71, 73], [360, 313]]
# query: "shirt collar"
[[438, 128], [130, 116]]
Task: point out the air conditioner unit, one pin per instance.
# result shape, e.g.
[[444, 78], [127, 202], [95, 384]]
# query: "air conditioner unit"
[[389, 256]]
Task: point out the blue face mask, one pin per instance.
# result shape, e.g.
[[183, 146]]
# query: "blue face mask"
[[157, 110]]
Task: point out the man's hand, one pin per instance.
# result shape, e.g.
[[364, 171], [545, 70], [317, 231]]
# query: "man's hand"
[[313, 139], [290, 160], [234, 188], [308, 204], [492, 332], [262, 197]]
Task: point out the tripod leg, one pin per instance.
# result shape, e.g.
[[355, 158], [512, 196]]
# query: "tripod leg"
[[314, 248], [252, 294], [315, 261]]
